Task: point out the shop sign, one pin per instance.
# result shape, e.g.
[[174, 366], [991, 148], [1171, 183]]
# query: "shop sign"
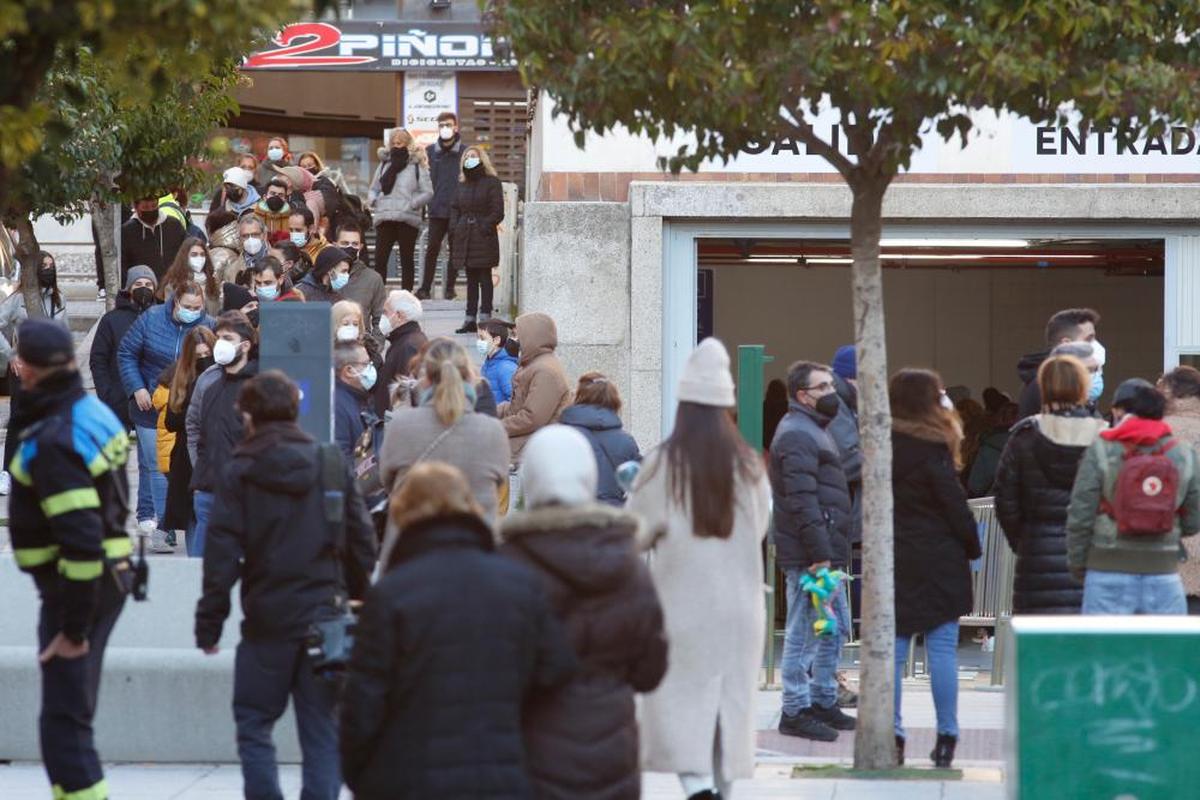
[[357, 46], [427, 94]]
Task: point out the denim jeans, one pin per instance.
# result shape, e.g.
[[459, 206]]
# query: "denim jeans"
[[202, 503], [149, 476], [1131, 593], [195, 548], [941, 643], [805, 653], [265, 674]]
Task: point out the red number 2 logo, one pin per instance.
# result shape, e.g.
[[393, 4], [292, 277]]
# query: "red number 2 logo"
[[321, 36]]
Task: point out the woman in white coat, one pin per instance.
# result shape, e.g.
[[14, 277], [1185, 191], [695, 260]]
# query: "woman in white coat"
[[705, 498]]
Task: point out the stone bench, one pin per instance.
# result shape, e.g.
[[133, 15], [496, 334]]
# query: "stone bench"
[[161, 699]]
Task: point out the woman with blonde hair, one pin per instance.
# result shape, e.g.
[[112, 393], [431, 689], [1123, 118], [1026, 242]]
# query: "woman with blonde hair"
[[444, 426], [399, 191], [348, 327], [1033, 487], [429, 656], [936, 539], [475, 214]]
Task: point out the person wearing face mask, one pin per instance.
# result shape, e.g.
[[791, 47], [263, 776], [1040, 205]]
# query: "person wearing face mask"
[[131, 302], [274, 208], [303, 233], [277, 155], [935, 540], [365, 286], [328, 277], [252, 242], [348, 328], [400, 324], [353, 412], [302, 194], [1033, 487], [220, 423], [150, 237], [192, 265], [445, 158], [236, 194], [194, 360], [475, 213], [1069, 325], [499, 365], [152, 343], [266, 284], [813, 521], [399, 191]]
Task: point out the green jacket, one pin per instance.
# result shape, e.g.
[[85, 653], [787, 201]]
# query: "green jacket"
[[1092, 539]]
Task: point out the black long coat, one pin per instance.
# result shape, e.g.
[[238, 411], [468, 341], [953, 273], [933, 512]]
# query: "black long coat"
[[451, 641], [936, 535], [582, 739], [1033, 490], [477, 209]]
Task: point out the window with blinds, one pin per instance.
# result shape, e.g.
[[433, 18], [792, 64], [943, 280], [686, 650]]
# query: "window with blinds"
[[501, 125]]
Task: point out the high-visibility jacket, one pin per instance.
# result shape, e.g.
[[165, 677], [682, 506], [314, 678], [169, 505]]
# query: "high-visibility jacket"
[[69, 498]]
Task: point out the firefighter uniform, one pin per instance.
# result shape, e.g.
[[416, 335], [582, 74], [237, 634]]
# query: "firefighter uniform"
[[67, 517]]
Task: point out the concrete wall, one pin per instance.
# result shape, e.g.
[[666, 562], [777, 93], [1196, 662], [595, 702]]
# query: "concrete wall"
[[971, 326]]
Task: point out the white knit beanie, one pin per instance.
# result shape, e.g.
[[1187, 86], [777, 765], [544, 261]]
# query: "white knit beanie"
[[706, 379], [558, 467]]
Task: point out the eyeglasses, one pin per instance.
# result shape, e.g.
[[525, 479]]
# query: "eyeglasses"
[[820, 387]]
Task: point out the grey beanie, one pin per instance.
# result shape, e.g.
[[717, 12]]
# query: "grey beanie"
[[140, 271]]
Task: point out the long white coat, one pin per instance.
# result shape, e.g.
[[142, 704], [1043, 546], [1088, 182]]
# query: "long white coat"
[[714, 611]]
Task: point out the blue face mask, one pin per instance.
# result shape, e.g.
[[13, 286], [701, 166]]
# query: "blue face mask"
[[299, 239], [187, 316], [1097, 387], [471, 163], [269, 292], [339, 281], [367, 377]]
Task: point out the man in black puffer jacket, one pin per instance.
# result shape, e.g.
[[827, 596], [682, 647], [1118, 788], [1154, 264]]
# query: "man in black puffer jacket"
[[138, 295], [269, 529], [813, 521]]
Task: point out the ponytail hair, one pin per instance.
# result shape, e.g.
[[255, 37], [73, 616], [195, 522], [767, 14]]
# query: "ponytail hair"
[[448, 369]]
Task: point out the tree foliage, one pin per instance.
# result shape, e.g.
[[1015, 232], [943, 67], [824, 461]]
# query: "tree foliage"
[[726, 74]]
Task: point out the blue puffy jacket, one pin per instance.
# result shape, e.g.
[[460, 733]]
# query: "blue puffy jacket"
[[151, 344], [499, 369], [611, 444]]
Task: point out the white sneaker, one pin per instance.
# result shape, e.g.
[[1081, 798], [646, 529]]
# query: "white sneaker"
[[158, 543], [5, 483], [101, 294]]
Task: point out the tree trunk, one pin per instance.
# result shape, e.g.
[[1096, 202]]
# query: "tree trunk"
[[27, 254], [874, 743], [105, 218]]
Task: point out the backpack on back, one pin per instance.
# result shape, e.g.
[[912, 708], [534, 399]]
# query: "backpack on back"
[[1144, 501]]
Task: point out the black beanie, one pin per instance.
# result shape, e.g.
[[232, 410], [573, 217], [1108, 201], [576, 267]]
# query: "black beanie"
[[327, 259], [42, 343]]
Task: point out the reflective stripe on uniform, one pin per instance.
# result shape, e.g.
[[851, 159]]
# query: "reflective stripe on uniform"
[[18, 472], [80, 570], [97, 791], [71, 500], [121, 547], [30, 557]]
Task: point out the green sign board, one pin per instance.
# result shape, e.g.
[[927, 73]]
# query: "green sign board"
[[1104, 708]]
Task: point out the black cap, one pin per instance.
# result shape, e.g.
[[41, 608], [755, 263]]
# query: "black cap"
[[41, 343], [1128, 391], [329, 258]]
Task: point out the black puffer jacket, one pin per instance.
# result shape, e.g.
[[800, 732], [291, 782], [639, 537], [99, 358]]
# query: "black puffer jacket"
[[106, 373], [477, 209], [451, 641], [1033, 490], [611, 444], [582, 739], [268, 529], [935, 532], [813, 515], [1030, 401]]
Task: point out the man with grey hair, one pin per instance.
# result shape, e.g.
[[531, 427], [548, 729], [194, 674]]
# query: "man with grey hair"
[[352, 410], [252, 237], [401, 324], [1093, 356]]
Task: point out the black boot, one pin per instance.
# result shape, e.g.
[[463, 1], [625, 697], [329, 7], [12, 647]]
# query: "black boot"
[[943, 751], [422, 293], [468, 327], [707, 794], [899, 751]]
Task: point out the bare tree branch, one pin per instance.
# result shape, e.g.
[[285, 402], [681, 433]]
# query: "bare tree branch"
[[815, 144]]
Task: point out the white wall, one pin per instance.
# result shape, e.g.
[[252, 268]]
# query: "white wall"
[[971, 326]]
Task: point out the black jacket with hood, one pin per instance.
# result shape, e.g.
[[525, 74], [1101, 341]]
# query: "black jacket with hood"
[[268, 529], [812, 500], [106, 372], [581, 740], [155, 246], [1030, 401], [221, 427], [403, 343]]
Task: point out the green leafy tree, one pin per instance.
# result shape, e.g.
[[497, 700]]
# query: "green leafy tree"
[[730, 74]]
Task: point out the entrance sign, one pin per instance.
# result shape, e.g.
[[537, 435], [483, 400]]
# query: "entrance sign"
[[427, 94], [358, 46]]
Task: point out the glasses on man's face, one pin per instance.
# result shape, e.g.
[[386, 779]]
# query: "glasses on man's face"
[[825, 386]]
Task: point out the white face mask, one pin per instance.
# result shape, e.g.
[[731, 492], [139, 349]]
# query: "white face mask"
[[225, 352], [347, 333], [946, 402], [446, 132], [196, 263], [275, 153], [1100, 353], [385, 325], [253, 246]]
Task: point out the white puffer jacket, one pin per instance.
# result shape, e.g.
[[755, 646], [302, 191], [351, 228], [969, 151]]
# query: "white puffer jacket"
[[410, 194]]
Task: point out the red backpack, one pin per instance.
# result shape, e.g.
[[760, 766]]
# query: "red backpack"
[[1144, 501]]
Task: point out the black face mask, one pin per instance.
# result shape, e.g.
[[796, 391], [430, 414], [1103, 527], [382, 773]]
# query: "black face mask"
[[275, 203], [235, 193], [400, 157], [148, 217], [203, 364], [142, 297], [828, 406], [353, 252], [46, 278], [313, 171]]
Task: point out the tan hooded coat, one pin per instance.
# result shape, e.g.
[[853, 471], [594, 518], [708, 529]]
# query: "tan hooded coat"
[[1184, 421], [540, 388]]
